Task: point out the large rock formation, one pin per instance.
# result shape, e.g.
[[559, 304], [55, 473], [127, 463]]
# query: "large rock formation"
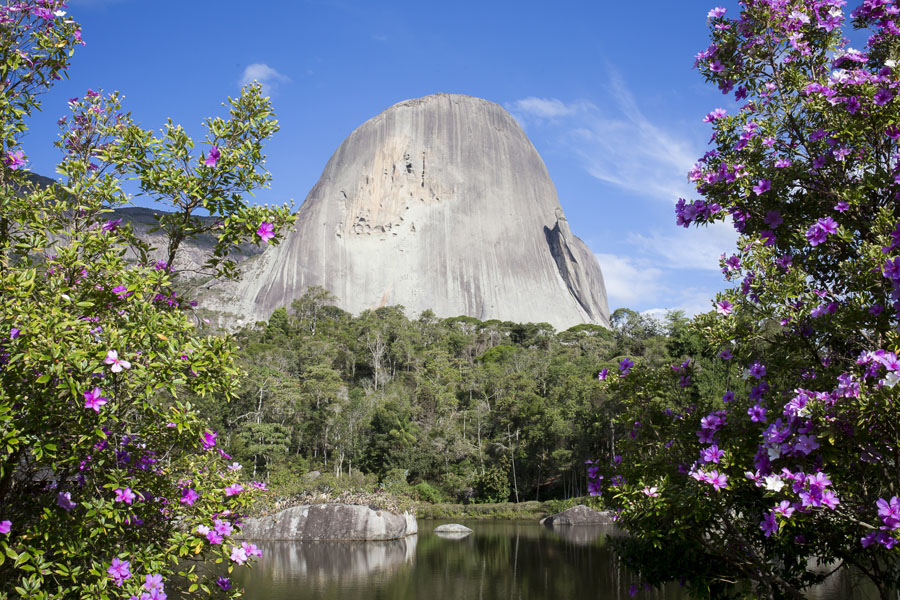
[[331, 522], [437, 203], [579, 515]]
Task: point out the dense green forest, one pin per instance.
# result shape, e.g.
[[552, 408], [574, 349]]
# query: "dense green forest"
[[459, 409]]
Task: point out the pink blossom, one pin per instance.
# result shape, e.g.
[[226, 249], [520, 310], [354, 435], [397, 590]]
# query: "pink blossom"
[[124, 495], [189, 496], [119, 570], [93, 400], [266, 231], [112, 358], [238, 555], [213, 158]]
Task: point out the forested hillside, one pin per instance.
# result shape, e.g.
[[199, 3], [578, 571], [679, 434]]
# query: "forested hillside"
[[462, 409]]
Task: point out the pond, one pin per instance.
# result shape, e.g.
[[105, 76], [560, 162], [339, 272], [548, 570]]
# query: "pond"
[[501, 560]]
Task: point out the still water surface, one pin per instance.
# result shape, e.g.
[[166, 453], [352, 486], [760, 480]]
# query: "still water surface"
[[501, 560]]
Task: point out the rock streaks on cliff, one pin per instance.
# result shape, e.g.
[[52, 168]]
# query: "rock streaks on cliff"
[[437, 203]]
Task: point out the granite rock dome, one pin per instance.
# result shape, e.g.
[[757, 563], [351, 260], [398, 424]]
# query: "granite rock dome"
[[437, 203]]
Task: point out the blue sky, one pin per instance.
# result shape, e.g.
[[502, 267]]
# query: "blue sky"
[[605, 91]]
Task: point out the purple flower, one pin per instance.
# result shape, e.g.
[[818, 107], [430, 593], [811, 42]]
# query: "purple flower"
[[189, 496], [883, 96], [757, 370], [5, 526], [784, 509], [651, 492], [719, 481], [224, 583], [773, 218], [93, 400], [828, 225], [214, 537], [222, 527], [728, 397], [757, 413], [238, 555], [711, 454], [119, 570], [820, 231], [841, 206], [625, 366], [213, 157], [209, 439], [15, 160], [14, 333], [716, 13], [769, 525], [724, 307], [853, 105], [715, 115], [153, 582], [266, 231], [251, 549], [111, 225], [726, 354], [233, 490], [602, 374], [805, 444], [126, 495], [112, 358], [64, 501], [762, 187]]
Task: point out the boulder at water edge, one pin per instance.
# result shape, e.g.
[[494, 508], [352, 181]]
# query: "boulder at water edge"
[[579, 515], [331, 522]]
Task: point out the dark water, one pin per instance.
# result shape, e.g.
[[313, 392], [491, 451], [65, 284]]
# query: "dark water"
[[501, 560]]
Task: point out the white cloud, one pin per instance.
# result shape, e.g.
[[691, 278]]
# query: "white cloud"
[[635, 282], [543, 108], [629, 281], [616, 142], [694, 248], [268, 77]]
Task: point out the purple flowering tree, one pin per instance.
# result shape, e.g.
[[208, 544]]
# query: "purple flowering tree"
[[782, 452], [110, 484]]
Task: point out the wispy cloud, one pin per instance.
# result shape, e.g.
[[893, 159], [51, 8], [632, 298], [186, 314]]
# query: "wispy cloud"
[[616, 142], [629, 281], [639, 281], [695, 248], [544, 108], [267, 77], [645, 158]]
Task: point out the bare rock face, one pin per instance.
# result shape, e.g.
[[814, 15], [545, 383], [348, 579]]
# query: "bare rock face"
[[437, 203], [579, 515], [330, 522]]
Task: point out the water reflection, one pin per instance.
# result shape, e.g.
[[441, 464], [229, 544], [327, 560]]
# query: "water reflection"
[[583, 535], [503, 560], [325, 565], [499, 561]]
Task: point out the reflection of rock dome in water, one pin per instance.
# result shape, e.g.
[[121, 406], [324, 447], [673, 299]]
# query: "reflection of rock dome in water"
[[326, 561]]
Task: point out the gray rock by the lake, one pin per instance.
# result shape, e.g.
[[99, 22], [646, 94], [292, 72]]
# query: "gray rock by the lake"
[[437, 203], [452, 528], [331, 522], [579, 515]]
